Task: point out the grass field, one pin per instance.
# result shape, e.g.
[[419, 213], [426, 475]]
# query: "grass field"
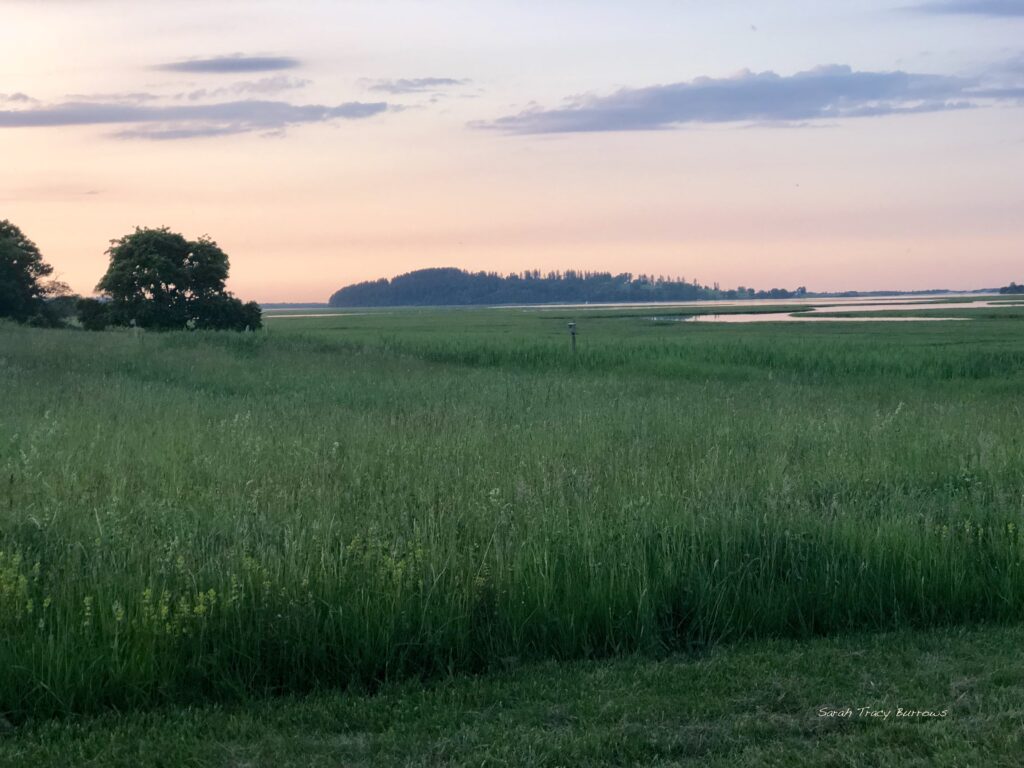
[[341, 502], [749, 705]]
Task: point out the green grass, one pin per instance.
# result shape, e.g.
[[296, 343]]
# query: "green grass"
[[353, 501], [752, 704]]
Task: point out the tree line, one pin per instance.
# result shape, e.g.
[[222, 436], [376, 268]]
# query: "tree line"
[[450, 286], [156, 279]]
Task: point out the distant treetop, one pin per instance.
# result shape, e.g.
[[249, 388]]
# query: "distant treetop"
[[450, 286]]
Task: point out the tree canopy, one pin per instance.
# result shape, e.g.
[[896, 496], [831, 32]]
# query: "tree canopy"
[[158, 279], [23, 293], [449, 286]]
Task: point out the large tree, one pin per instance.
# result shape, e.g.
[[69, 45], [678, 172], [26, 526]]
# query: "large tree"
[[23, 293], [158, 279]]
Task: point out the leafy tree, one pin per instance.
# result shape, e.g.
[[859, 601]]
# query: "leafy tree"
[[58, 308], [94, 315], [455, 286], [23, 294], [160, 280]]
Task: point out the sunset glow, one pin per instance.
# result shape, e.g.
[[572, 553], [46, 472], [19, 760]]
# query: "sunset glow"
[[856, 146]]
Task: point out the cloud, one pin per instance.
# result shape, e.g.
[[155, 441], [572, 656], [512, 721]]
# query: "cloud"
[[233, 64], [828, 92], [59, 191], [1002, 94], [1009, 68], [1000, 8], [188, 121], [17, 98], [130, 98], [413, 85], [262, 87]]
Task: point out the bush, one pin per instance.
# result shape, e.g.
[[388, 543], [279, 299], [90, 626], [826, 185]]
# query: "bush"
[[225, 312], [94, 315]]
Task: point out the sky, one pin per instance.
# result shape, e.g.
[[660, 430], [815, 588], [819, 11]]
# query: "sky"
[[841, 146]]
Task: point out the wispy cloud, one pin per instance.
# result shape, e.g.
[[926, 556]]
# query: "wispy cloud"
[[1010, 67], [262, 87], [134, 97], [16, 98], [413, 85], [58, 191], [974, 7], [188, 121], [829, 92], [233, 64]]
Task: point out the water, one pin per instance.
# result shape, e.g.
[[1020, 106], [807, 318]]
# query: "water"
[[845, 308], [858, 301], [844, 305], [271, 315]]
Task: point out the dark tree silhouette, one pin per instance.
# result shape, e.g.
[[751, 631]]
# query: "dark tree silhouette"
[[454, 286], [94, 315], [23, 293], [158, 279]]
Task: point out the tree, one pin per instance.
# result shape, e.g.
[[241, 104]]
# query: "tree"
[[94, 315], [59, 307], [160, 280], [22, 293]]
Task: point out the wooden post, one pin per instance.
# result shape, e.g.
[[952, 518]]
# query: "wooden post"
[[572, 335]]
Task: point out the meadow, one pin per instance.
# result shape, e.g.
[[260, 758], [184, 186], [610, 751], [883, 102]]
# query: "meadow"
[[353, 501]]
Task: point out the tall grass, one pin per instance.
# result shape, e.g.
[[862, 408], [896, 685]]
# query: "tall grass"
[[195, 516]]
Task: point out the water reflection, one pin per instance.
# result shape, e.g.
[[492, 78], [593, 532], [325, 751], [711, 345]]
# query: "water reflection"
[[846, 308]]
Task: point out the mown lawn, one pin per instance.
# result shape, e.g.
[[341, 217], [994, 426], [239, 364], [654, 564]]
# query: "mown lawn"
[[753, 704]]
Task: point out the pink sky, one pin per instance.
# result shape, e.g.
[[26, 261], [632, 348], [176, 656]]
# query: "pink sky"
[[861, 146]]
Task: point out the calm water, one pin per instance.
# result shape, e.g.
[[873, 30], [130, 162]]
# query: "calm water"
[[271, 314], [801, 317], [844, 305], [847, 309], [858, 301]]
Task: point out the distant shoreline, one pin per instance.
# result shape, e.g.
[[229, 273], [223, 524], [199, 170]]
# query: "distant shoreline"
[[913, 300], [852, 295]]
